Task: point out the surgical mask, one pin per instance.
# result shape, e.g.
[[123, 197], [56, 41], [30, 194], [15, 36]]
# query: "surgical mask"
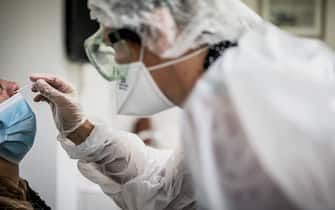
[[137, 94], [17, 128]]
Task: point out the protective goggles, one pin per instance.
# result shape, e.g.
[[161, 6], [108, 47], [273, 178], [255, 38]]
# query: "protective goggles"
[[110, 54]]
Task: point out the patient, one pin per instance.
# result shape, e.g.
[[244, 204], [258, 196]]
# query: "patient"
[[17, 132]]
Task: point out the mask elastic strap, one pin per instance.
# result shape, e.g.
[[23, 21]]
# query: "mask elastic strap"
[[142, 49], [179, 60], [142, 53]]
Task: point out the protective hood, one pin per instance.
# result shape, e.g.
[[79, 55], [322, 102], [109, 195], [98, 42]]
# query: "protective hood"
[[170, 28]]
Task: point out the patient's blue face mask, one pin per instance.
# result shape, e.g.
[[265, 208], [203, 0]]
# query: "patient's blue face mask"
[[17, 128]]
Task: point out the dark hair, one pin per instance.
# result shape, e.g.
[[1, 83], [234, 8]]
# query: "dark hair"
[[125, 34]]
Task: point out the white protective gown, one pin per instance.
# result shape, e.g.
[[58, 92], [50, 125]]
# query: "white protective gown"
[[258, 134]]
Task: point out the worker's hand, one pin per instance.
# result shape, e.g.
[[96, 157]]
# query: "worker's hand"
[[61, 97], [7, 89]]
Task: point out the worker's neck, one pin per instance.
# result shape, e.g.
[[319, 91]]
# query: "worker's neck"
[[188, 73], [9, 170]]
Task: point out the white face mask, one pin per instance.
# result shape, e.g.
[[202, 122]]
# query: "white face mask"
[[139, 94], [136, 92]]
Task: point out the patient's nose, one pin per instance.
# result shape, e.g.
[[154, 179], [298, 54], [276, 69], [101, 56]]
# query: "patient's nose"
[[12, 88], [7, 89]]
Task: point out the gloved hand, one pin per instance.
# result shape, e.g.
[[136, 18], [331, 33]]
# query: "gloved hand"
[[61, 96]]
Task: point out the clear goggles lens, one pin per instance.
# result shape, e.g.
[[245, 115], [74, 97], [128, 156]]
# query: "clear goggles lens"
[[109, 54]]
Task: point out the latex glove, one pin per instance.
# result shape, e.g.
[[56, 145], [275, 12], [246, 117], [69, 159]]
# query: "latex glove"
[[61, 96]]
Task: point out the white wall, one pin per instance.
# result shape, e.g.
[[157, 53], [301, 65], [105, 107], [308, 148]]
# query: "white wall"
[[330, 23], [253, 4], [31, 41]]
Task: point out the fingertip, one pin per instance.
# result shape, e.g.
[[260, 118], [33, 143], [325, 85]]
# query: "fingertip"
[[36, 76], [38, 98], [34, 90], [34, 87], [39, 86], [33, 77], [45, 100], [40, 82]]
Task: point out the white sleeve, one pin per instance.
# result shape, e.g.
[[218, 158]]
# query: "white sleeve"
[[134, 175]]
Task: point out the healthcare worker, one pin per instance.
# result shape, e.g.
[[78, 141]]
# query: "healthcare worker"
[[258, 123], [17, 136]]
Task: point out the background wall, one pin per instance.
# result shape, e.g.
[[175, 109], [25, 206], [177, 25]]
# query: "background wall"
[[329, 33], [330, 23], [31, 40]]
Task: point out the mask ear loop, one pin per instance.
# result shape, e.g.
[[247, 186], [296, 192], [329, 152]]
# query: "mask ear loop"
[[179, 60], [142, 52], [142, 46]]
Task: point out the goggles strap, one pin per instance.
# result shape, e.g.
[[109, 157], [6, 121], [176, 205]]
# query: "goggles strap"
[[179, 60]]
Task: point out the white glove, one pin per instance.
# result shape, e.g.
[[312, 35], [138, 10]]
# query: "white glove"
[[60, 95]]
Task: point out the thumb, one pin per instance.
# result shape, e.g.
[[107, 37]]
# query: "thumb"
[[46, 90]]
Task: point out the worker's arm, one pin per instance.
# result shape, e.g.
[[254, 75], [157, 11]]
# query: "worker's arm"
[[134, 175]]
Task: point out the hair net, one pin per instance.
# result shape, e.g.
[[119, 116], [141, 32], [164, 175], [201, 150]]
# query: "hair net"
[[170, 28]]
